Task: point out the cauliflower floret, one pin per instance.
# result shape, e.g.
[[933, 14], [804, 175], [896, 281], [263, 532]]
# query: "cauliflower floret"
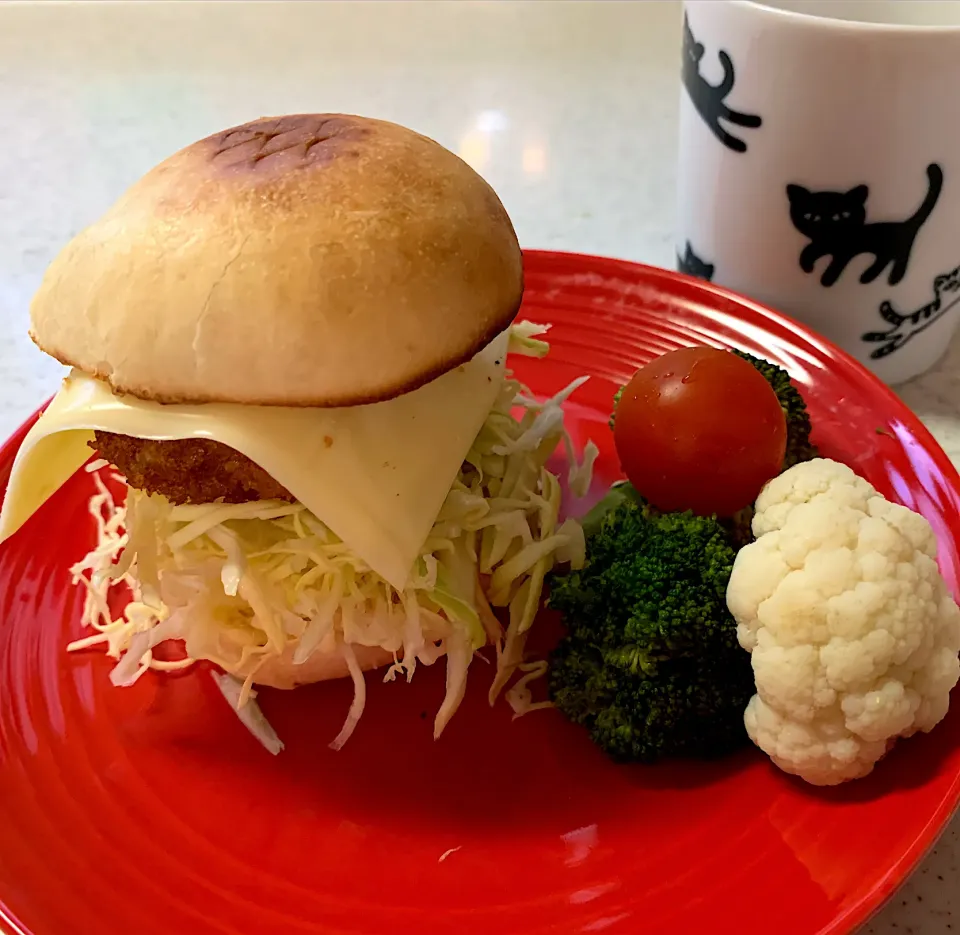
[[853, 635]]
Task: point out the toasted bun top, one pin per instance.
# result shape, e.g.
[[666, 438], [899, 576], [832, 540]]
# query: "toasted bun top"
[[308, 260]]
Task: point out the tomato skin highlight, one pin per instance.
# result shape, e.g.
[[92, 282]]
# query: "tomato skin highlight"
[[699, 429]]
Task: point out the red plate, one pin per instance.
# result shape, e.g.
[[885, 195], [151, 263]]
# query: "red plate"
[[151, 810]]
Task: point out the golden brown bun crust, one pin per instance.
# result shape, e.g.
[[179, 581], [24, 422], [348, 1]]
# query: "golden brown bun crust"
[[307, 260], [281, 672]]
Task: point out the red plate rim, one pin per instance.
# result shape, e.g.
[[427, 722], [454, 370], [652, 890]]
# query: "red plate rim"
[[885, 886]]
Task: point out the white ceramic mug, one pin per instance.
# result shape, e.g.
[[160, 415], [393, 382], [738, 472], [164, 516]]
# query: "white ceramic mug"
[[820, 167]]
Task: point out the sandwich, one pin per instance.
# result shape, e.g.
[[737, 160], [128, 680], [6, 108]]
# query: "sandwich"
[[288, 385]]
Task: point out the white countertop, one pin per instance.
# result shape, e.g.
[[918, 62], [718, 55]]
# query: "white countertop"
[[568, 109]]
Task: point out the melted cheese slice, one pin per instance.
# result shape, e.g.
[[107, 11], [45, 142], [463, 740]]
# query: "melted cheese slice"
[[376, 475]]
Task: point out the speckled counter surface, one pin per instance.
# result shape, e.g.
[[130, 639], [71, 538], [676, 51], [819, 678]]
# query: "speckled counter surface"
[[569, 110]]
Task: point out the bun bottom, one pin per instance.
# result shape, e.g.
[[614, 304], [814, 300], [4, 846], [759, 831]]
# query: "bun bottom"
[[282, 672]]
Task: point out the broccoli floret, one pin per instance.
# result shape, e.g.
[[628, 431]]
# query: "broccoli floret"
[[794, 408], [799, 446], [613, 409], [739, 527], [650, 663], [620, 492]]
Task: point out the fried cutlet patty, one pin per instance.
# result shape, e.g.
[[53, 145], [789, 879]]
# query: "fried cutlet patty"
[[189, 470]]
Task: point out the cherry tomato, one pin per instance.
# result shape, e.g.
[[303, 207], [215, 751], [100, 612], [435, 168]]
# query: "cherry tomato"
[[700, 429]]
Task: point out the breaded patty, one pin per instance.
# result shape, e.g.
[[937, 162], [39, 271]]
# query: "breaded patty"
[[190, 470]]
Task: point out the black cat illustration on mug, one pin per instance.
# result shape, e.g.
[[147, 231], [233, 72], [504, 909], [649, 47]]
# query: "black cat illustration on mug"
[[708, 99], [692, 265], [836, 225], [904, 326]]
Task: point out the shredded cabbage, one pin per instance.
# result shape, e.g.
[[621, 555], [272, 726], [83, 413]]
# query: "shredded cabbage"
[[525, 339], [249, 712], [520, 696], [243, 584]]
